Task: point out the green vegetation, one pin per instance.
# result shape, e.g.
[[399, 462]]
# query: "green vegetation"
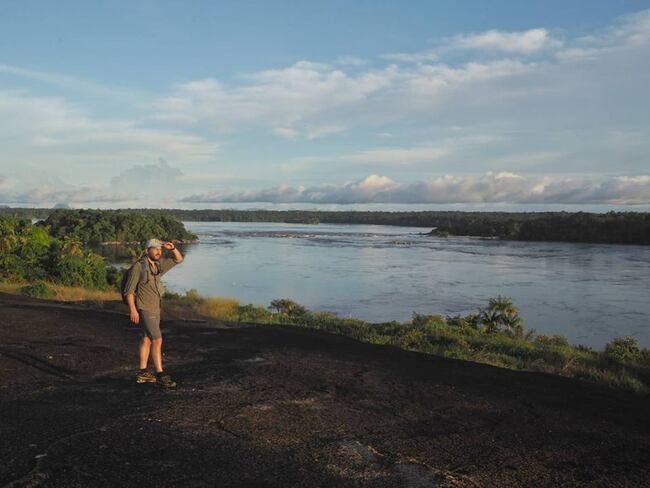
[[29, 253], [118, 226], [607, 228], [39, 289], [55, 250], [494, 335]]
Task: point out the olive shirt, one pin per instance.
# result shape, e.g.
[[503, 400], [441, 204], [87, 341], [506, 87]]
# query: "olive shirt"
[[148, 287]]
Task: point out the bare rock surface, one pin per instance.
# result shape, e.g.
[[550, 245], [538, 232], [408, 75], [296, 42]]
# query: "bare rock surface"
[[271, 406]]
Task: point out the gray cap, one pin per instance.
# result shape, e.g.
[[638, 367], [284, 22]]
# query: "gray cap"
[[152, 243]]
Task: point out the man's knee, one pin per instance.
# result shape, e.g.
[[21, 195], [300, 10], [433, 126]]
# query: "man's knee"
[[145, 340], [157, 340]]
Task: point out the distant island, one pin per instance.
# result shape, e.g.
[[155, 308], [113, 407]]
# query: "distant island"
[[115, 226], [605, 228]]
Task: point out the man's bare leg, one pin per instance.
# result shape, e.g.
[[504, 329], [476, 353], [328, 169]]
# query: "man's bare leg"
[[145, 347], [156, 352]]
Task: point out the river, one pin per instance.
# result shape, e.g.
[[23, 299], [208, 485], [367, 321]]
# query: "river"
[[589, 293]]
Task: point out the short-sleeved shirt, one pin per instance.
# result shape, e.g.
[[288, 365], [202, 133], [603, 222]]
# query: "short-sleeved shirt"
[[148, 287]]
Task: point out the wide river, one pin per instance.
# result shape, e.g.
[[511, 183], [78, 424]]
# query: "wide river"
[[589, 293]]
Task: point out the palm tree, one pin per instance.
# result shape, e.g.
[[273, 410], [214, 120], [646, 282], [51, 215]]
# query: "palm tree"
[[501, 312], [72, 246], [8, 237]]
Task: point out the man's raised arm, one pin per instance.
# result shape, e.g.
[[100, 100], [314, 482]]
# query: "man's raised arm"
[[178, 257]]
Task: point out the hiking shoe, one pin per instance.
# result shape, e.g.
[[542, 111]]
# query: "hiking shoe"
[[146, 377], [166, 381]]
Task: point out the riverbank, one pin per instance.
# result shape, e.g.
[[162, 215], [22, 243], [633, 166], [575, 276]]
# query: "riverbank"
[[279, 406], [493, 336]]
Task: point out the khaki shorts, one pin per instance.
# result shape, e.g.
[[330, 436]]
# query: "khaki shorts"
[[150, 322]]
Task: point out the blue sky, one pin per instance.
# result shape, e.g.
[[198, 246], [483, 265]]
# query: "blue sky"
[[202, 104]]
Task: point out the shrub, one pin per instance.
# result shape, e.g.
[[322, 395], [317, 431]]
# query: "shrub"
[[555, 340], [114, 276], [38, 290], [172, 296], [87, 270], [193, 297], [623, 349], [419, 320], [288, 307], [253, 313]]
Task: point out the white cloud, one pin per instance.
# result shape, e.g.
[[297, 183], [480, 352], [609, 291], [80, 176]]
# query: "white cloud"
[[298, 98], [153, 184], [492, 41], [306, 98], [524, 42], [351, 61], [427, 56], [629, 32], [56, 131], [150, 180], [491, 187], [49, 195]]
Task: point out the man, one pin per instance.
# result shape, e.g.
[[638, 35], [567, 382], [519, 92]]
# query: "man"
[[143, 292]]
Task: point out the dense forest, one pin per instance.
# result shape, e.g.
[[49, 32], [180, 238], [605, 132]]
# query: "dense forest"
[[58, 249], [99, 226], [29, 253], [607, 228]]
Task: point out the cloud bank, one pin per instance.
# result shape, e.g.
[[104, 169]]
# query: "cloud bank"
[[502, 187], [154, 184]]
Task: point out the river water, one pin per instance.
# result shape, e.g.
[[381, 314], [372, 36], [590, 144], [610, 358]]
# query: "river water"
[[589, 293]]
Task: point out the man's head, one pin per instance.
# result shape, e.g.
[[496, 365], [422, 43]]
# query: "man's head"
[[153, 247]]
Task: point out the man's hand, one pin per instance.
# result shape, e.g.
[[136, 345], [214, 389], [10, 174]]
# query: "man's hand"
[[135, 317], [178, 257]]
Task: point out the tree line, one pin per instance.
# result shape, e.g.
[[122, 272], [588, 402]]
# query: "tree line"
[[605, 228]]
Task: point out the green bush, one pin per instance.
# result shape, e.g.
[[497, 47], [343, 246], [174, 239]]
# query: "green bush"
[[170, 295], [623, 349], [28, 252], [114, 276], [555, 340], [253, 313], [418, 320], [38, 290], [86, 270], [288, 307]]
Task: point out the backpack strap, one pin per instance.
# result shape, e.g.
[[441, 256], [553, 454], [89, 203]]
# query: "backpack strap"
[[143, 270]]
